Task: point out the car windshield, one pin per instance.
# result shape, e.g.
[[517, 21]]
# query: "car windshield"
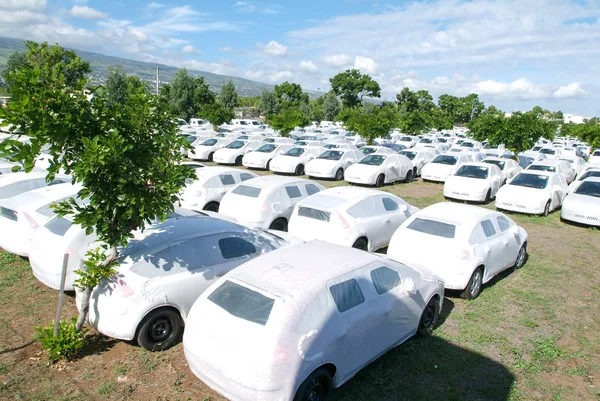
[[406, 139], [589, 173], [525, 161], [236, 145], [497, 163], [331, 146], [268, 148], [269, 140], [368, 150], [433, 227], [472, 172], [210, 142], [300, 143], [541, 167], [372, 160], [536, 148], [220, 135], [530, 181], [467, 144], [548, 151], [445, 159], [331, 155], [350, 134], [409, 154], [295, 152], [242, 302], [442, 140], [426, 140], [245, 190], [589, 188]]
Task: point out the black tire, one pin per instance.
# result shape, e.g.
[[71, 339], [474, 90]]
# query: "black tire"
[[488, 196], [268, 167], [546, 211], [429, 317], [415, 172], [210, 157], [300, 169], [316, 387], [475, 284], [361, 244], [238, 161], [212, 207], [521, 257], [409, 176], [279, 224], [339, 175], [380, 181], [160, 329]]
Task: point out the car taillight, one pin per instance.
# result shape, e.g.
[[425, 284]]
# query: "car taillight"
[[198, 193], [280, 355], [342, 221], [464, 254], [121, 288], [32, 223]]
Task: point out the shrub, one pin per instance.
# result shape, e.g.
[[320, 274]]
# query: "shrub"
[[65, 344]]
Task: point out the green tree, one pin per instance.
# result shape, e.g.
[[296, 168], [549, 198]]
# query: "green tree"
[[470, 107], [269, 103], [287, 120], [352, 86], [290, 93], [228, 96], [127, 159], [217, 113], [119, 85], [316, 109], [370, 121], [416, 111], [16, 62], [182, 95], [203, 95], [589, 132], [249, 101], [331, 106], [450, 107]]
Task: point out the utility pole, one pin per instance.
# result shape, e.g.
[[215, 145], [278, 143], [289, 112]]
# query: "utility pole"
[[156, 80]]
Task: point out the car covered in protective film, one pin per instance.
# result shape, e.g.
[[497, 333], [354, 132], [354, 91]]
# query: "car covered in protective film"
[[261, 157], [294, 160], [464, 245], [588, 172], [380, 169], [478, 182], [583, 203], [362, 218], [161, 273], [381, 150], [554, 166], [533, 192], [17, 183], [332, 163], [508, 167], [419, 158], [443, 166], [205, 148], [234, 152], [304, 319]]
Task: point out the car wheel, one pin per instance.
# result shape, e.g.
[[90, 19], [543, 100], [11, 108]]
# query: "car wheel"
[[415, 171], [380, 180], [212, 207], [268, 166], [238, 161], [429, 317], [300, 170], [474, 287], [409, 176], [488, 196], [279, 225], [521, 257], [316, 387], [160, 329], [361, 244], [546, 209], [210, 157], [339, 175]]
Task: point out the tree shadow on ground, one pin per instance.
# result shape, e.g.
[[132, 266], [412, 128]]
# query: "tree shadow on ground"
[[96, 344]]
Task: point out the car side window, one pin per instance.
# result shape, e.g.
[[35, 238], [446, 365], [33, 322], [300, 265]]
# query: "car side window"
[[312, 189], [346, 295], [293, 192], [488, 228], [191, 254], [227, 179], [503, 223], [245, 176], [235, 247], [390, 205], [384, 279]]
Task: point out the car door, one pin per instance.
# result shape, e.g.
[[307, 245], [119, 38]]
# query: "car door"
[[361, 318], [292, 195], [372, 221], [492, 248], [393, 168], [511, 243], [392, 217]]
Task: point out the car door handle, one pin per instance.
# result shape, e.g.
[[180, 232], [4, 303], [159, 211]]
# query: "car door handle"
[[387, 220]]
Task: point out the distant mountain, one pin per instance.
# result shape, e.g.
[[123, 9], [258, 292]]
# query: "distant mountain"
[[145, 71]]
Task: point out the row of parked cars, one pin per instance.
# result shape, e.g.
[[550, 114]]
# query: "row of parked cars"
[[267, 314]]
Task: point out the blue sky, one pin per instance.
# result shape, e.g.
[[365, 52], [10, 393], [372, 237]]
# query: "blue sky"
[[514, 54]]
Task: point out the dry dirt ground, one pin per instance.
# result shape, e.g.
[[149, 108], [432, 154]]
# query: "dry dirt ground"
[[532, 334]]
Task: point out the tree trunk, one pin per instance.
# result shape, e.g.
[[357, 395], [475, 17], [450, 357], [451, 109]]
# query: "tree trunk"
[[87, 293]]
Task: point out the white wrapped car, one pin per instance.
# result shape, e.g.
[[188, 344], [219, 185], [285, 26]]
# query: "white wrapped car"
[[294, 160], [583, 203], [380, 169], [304, 319], [478, 182], [419, 158], [508, 167], [358, 217], [205, 148], [261, 157], [466, 246], [332, 163], [554, 166], [533, 192], [234, 152], [443, 166], [17, 183]]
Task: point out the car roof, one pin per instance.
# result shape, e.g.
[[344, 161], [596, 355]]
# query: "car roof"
[[592, 179], [21, 176], [287, 270], [498, 159], [39, 197], [211, 171], [547, 162], [333, 198], [268, 181], [538, 172], [454, 213]]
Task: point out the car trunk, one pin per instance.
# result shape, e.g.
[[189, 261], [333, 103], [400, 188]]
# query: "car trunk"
[[312, 223]]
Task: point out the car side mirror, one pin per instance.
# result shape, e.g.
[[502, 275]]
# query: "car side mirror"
[[514, 230], [403, 208]]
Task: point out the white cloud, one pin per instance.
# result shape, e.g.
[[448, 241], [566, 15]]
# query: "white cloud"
[[280, 76], [225, 49], [189, 49], [21, 5], [250, 7], [309, 67], [365, 64], [87, 13], [275, 49], [245, 6], [154, 5], [338, 60], [572, 90]]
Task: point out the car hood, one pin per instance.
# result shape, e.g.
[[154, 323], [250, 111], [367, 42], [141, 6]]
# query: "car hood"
[[225, 153], [362, 170], [438, 168], [286, 160], [582, 203], [525, 193], [254, 156], [465, 183], [322, 164]]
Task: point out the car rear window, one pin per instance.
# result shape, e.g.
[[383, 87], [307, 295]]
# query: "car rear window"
[[227, 179], [245, 190], [8, 214], [293, 192], [242, 302], [432, 227], [314, 213], [234, 247], [385, 279], [541, 167], [312, 189], [346, 295], [58, 226]]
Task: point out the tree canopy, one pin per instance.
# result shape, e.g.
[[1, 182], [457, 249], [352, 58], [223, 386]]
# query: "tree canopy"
[[352, 86], [269, 103], [331, 106], [370, 121], [187, 94], [228, 96]]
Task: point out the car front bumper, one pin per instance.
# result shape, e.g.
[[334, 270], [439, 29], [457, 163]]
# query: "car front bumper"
[[579, 217]]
